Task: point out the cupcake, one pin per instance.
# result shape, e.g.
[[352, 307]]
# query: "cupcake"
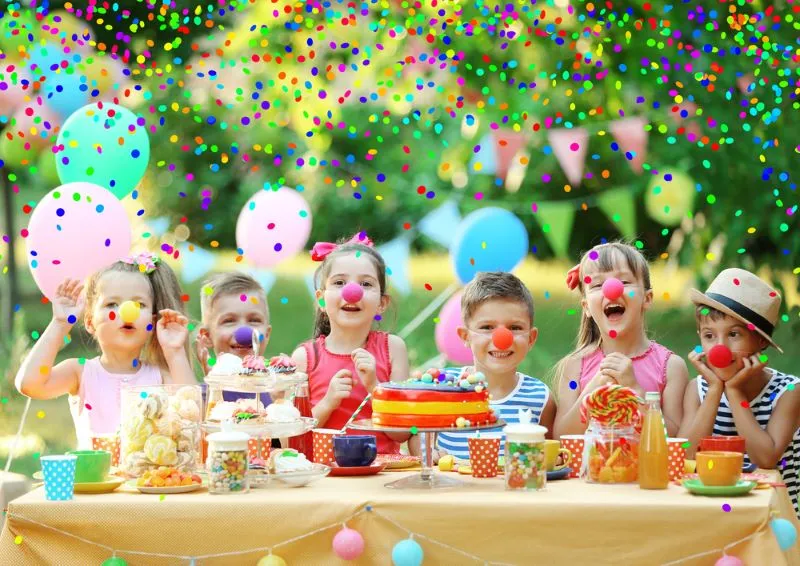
[[288, 460], [283, 365], [282, 411], [254, 366]]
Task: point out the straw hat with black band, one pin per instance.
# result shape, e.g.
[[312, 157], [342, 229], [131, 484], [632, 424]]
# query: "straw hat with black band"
[[743, 296]]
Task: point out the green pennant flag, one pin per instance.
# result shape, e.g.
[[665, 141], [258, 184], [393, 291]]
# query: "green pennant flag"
[[556, 220], [620, 206]]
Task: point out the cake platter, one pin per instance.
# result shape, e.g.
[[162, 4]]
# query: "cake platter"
[[268, 430], [427, 478], [270, 383]]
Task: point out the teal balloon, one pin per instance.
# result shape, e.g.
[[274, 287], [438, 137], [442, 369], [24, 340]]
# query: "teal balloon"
[[64, 88], [114, 561], [785, 532], [92, 152], [407, 553]]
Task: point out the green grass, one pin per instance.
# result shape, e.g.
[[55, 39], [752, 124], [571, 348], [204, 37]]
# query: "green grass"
[[291, 311]]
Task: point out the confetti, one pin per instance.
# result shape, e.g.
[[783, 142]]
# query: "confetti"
[[573, 384], [18, 539], [40, 414], [726, 507]]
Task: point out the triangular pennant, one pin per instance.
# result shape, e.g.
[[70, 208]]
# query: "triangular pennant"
[[195, 263], [556, 219], [440, 224], [632, 137], [485, 160], [264, 277], [506, 145], [569, 147], [396, 255], [619, 205]]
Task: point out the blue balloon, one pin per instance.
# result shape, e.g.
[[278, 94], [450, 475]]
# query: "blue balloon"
[[785, 533], [407, 553], [489, 239], [65, 89]]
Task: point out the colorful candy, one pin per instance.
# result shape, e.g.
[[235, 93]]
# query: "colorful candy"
[[611, 405], [161, 450], [524, 466], [613, 456], [227, 470]]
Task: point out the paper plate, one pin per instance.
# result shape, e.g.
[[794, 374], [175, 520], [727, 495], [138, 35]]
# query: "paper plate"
[[697, 487], [398, 461], [165, 490]]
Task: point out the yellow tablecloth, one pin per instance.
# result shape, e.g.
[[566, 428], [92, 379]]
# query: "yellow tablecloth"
[[572, 522]]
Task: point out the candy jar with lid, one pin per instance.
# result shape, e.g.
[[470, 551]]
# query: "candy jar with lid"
[[227, 461], [525, 468]]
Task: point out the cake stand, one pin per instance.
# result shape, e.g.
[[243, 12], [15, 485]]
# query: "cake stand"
[[427, 478]]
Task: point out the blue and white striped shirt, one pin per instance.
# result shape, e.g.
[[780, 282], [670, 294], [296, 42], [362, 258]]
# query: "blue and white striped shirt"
[[530, 393]]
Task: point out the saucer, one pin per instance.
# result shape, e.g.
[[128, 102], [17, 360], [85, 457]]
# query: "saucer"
[[106, 486], [749, 468], [697, 487], [559, 474], [337, 470], [165, 490]]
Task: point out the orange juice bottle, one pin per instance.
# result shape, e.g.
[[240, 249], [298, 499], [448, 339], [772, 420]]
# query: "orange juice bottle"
[[653, 456]]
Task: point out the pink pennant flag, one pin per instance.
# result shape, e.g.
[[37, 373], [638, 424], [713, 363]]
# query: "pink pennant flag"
[[570, 148], [506, 144], [631, 136]]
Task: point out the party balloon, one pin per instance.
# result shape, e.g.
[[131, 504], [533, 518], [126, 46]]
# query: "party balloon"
[[114, 561], [728, 560], [36, 124], [720, 356], [46, 168], [75, 230], [75, 30], [352, 293], [18, 30], [105, 144], [447, 340], [104, 73], [668, 201], [63, 86], [129, 312], [407, 553], [502, 338], [348, 544], [273, 226], [16, 152], [13, 89], [271, 560], [613, 289], [489, 239], [785, 532]]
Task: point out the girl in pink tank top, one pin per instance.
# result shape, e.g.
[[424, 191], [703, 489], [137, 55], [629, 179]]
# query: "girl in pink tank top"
[[135, 312], [346, 359], [613, 347]]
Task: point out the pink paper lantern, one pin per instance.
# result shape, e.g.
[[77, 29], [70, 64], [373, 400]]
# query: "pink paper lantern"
[[348, 544], [447, 340], [728, 560], [75, 230]]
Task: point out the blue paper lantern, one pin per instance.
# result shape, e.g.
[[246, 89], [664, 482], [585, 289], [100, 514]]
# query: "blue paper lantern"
[[785, 532], [407, 553], [489, 239]]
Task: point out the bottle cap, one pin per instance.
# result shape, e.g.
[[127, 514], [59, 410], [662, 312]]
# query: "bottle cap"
[[652, 396]]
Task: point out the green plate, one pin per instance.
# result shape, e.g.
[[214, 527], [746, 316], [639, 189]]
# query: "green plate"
[[741, 488]]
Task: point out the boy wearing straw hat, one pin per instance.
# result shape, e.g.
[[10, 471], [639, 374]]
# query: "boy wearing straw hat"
[[736, 394]]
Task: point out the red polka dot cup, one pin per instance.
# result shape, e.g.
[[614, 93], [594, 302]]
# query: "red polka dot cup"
[[574, 443], [483, 456], [677, 456], [322, 439], [259, 448], [109, 443]]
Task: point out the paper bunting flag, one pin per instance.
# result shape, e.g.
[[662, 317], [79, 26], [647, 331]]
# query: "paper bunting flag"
[[440, 224], [195, 264], [396, 255], [485, 160], [507, 144], [631, 137], [556, 219], [569, 147], [265, 278], [620, 207]]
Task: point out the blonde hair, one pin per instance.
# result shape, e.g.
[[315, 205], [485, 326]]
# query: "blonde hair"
[[166, 293], [487, 286], [224, 284], [589, 337]]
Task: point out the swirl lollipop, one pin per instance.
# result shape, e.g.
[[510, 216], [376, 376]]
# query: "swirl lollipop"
[[611, 405]]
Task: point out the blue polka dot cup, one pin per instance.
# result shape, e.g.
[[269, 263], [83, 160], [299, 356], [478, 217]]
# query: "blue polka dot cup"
[[59, 477]]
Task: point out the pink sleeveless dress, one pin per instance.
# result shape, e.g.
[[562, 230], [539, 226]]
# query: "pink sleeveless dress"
[[322, 365], [97, 407], [650, 368]]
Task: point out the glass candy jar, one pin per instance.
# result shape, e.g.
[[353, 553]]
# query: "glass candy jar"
[[227, 463], [525, 467], [610, 454]]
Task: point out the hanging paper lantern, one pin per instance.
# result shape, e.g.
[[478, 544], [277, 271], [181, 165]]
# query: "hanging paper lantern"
[[271, 560], [785, 532], [728, 560], [114, 561], [668, 201], [407, 553], [348, 544]]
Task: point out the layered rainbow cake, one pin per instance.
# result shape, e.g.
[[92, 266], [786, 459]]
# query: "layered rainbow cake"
[[433, 400]]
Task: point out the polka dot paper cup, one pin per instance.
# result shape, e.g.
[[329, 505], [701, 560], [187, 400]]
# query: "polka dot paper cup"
[[259, 448], [483, 456], [59, 477], [677, 457], [574, 443], [322, 439], [109, 443]]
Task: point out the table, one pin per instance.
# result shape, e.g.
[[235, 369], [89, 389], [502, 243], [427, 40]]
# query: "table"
[[572, 522], [12, 486]]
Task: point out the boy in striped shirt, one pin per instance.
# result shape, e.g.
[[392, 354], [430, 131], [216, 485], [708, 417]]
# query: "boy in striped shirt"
[[497, 310]]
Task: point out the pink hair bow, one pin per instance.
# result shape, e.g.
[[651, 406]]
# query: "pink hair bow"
[[574, 277], [322, 249], [146, 261]]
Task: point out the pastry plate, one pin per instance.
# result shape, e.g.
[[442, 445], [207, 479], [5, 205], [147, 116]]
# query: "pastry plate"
[[398, 461], [269, 430], [165, 490]]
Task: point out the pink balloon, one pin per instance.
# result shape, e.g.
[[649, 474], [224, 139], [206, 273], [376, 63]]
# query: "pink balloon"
[[447, 340], [26, 118], [75, 230], [12, 97], [728, 560], [348, 544], [273, 226]]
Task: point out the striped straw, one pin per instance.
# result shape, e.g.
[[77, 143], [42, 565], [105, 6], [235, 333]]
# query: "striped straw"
[[355, 414]]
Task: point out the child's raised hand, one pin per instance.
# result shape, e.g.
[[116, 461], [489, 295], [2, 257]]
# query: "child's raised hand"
[[697, 360], [68, 302], [339, 388], [202, 345], [172, 330], [752, 365], [366, 367], [620, 367], [600, 378]]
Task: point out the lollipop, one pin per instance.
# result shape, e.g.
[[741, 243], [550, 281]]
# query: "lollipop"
[[611, 405], [161, 450]]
